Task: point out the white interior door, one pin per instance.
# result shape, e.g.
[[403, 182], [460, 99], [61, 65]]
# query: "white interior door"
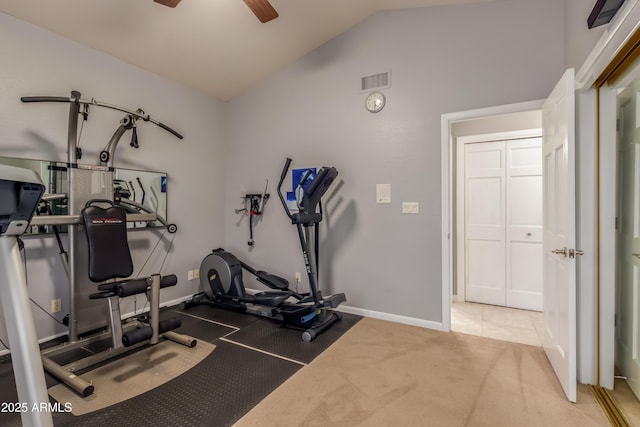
[[524, 224], [628, 238], [559, 270], [502, 221], [484, 196]]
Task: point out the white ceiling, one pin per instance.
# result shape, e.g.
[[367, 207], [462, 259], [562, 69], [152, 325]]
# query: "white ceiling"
[[215, 46]]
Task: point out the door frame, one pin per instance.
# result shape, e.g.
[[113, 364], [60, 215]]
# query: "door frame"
[[595, 123], [448, 191], [459, 233]]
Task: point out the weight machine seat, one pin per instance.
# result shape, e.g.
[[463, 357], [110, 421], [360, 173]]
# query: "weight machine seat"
[[110, 259], [109, 253]]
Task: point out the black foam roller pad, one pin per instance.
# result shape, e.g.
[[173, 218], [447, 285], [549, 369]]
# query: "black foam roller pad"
[[168, 280], [169, 324], [136, 336], [132, 287]]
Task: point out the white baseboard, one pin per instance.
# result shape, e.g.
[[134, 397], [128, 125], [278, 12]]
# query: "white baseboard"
[[392, 317]]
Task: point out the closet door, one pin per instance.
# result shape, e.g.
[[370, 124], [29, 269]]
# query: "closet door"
[[627, 329], [484, 201], [524, 224]]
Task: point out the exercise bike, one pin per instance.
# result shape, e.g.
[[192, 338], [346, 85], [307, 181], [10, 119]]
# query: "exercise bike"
[[221, 272]]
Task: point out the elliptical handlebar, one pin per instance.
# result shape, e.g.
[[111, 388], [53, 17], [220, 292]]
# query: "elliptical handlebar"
[[285, 170]]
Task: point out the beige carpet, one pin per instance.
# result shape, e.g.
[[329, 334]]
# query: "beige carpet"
[[133, 375], [387, 374]]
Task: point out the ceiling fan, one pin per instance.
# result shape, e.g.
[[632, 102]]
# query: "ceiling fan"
[[261, 8]]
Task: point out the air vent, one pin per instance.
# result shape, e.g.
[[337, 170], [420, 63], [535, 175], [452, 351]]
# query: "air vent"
[[375, 81]]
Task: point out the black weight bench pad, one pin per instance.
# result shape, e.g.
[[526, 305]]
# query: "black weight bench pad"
[[109, 255]]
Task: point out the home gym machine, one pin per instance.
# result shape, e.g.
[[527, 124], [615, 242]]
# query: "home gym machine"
[[93, 235], [20, 192], [221, 271]]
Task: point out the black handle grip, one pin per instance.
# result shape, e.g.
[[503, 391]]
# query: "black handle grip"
[[168, 129], [285, 169], [287, 164], [305, 177], [45, 99]]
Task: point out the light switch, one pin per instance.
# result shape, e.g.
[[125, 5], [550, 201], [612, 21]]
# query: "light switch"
[[383, 193]]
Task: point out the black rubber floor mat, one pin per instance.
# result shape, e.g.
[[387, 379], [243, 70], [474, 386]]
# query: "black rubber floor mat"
[[216, 314], [216, 392], [273, 337], [197, 328]]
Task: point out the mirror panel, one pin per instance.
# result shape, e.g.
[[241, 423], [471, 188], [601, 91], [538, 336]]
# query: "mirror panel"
[[136, 189]]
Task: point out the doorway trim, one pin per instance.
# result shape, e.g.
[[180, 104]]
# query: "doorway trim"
[[448, 192]]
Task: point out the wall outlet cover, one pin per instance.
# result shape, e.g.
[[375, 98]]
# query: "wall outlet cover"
[[410, 207]]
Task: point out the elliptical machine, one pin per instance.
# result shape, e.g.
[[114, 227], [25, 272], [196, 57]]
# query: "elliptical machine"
[[221, 272]]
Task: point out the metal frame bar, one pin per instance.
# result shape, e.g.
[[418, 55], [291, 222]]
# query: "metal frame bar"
[[28, 371]]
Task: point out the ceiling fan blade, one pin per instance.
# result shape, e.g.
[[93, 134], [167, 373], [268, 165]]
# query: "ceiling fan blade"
[[170, 3], [262, 9]]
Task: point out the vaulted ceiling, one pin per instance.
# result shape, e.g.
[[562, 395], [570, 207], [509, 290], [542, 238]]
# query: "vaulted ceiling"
[[215, 46]]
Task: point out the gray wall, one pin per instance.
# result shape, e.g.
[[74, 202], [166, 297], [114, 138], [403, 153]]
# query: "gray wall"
[[36, 62], [441, 60]]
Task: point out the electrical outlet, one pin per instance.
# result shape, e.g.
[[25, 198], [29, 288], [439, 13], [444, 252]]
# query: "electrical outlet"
[[190, 275], [56, 305], [196, 274], [410, 207], [298, 277]]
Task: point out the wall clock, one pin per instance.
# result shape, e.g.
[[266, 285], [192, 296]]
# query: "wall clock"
[[375, 102]]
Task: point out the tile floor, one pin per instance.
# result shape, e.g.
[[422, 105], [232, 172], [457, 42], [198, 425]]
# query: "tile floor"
[[501, 323]]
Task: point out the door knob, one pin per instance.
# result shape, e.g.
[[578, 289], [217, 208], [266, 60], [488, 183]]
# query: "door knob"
[[562, 251], [636, 255]]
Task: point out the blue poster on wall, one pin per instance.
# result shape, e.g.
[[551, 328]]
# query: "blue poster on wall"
[[163, 184], [294, 196]]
